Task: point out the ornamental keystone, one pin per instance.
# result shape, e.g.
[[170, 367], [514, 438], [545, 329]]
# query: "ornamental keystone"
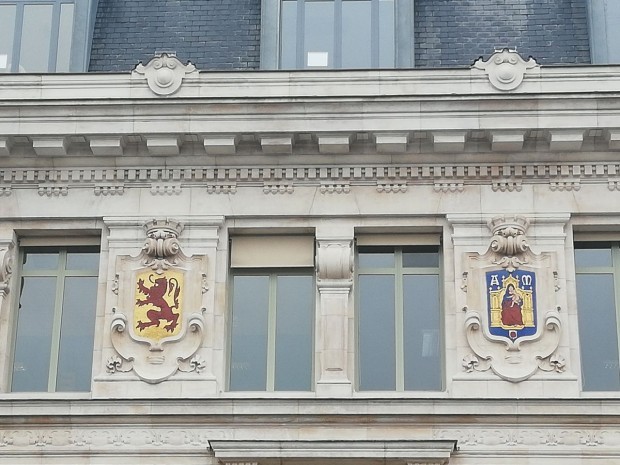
[[164, 73], [505, 68]]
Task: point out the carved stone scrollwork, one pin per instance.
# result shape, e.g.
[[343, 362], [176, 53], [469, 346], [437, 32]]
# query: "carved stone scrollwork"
[[518, 360], [505, 68], [161, 294], [149, 359], [334, 260], [6, 267], [509, 242], [164, 73], [162, 245], [518, 332]]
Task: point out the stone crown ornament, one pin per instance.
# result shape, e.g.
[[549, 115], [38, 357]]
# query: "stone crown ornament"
[[505, 68], [162, 238], [164, 73], [509, 235]]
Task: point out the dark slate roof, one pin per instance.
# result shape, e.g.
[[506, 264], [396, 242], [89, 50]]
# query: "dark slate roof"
[[225, 34], [455, 32], [212, 34]]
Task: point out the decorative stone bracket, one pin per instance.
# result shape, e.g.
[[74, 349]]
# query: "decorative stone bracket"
[[505, 68]]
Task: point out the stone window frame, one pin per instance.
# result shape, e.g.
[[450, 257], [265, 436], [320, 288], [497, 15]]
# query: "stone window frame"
[[399, 242], [81, 39], [271, 32], [62, 246]]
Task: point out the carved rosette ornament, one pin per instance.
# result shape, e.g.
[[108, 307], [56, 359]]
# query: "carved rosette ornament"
[[164, 73], [518, 332], [505, 68], [158, 326]]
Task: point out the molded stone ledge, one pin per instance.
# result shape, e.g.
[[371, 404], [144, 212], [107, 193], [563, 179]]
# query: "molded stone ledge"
[[334, 143], [50, 146], [570, 140], [6, 145], [107, 145], [392, 452], [449, 141], [396, 142], [613, 138], [163, 145], [507, 141], [221, 145], [277, 144]]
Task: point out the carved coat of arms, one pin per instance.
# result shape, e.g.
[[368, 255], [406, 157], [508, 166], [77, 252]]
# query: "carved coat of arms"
[[158, 327], [511, 336]]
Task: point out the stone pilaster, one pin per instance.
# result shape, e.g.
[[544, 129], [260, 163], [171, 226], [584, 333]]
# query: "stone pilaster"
[[334, 281]]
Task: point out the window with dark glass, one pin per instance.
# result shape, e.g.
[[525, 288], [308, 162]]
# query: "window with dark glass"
[[398, 317], [597, 266], [40, 36], [55, 319], [337, 34], [272, 313]]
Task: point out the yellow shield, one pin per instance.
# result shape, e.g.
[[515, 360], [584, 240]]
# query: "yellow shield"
[[158, 304]]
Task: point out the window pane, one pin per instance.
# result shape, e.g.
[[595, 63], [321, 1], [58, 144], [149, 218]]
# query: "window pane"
[[597, 332], [83, 260], [34, 334], [386, 34], [248, 359], [589, 255], [65, 34], [319, 34], [7, 32], [77, 334], [377, 354], [40, 260], [294, 318], [422, 257], [288, 39], [421, 332], [376, 257], [356, 34], [36, 36]]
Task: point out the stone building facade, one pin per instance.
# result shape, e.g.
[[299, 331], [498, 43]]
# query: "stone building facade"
[[398, 265]]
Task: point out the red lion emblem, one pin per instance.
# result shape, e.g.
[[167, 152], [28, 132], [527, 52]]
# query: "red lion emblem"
[[155, 297]]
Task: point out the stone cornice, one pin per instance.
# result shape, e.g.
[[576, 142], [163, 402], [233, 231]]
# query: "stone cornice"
[[311, 410], [283, 114], [295, 84]]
